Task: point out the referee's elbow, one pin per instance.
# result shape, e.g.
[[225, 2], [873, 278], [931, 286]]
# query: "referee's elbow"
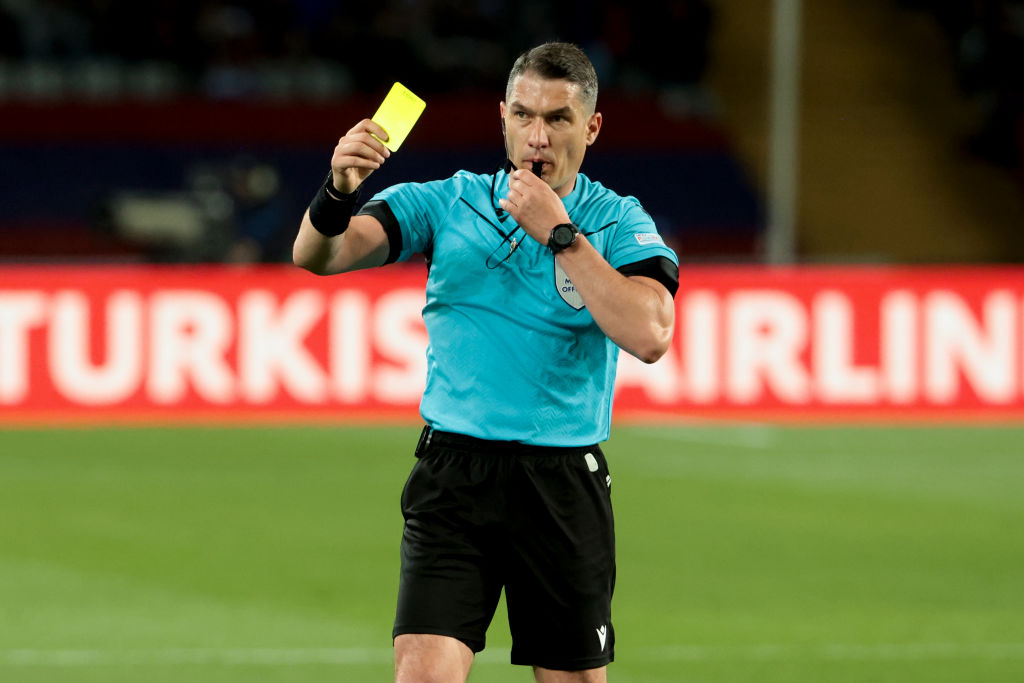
[[655, 346], [315, 267], [651, 356]]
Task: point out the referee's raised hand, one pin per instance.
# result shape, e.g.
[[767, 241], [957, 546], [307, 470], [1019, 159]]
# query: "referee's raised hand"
[[533, 205], [357, 155]]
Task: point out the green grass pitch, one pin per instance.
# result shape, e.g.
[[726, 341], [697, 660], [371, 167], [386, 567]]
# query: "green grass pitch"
[[746, 553]]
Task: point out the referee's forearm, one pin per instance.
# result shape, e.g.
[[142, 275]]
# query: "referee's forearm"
[[363, 245], [636, 313], [312, 250]]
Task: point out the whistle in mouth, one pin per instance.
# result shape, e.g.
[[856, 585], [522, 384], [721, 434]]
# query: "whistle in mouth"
[[538, 166]]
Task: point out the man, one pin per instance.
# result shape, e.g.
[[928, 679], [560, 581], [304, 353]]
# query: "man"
[[537, 275]]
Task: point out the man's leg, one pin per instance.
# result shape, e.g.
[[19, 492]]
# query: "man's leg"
[[561, 566], [449, 585], [587, 676], [424, 658]]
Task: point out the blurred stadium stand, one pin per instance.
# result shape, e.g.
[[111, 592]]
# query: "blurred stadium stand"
[[986, 40], [888, 172], [196, 129]]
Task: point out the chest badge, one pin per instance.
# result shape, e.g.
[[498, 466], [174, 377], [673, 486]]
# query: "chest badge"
[[566, 289]]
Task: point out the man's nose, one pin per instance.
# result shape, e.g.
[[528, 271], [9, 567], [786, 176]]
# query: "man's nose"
[[538, 134]]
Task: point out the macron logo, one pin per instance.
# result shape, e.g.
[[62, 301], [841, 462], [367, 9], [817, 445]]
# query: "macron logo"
[[602, 635]]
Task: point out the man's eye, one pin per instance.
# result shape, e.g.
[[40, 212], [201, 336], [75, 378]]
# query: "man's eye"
[[520, 115]]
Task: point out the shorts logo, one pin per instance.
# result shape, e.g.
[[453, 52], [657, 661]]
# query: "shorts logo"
[[648, 238], [591, 462], [602, 635], [566, 289]]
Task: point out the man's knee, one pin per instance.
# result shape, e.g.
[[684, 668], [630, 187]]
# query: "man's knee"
[[598, 675], [426, 658]]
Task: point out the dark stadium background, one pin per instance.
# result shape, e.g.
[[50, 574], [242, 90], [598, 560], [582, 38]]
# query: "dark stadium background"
[[911, 113]]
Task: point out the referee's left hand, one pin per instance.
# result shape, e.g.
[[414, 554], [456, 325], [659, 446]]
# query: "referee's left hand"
[[533, 205]]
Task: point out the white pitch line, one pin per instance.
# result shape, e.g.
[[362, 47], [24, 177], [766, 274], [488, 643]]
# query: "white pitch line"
[[836, 651], [382, 655], [742, 435], [926, 651], [236, 656]]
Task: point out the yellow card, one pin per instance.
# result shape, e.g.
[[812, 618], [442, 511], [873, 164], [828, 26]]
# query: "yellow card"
[[397, 115]]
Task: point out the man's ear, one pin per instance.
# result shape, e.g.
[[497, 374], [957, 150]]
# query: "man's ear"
[[593, 127]]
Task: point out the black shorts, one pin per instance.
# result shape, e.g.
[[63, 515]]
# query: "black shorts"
[[483, 515]]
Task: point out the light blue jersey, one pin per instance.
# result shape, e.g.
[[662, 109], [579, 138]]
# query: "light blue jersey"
[[514, 355]]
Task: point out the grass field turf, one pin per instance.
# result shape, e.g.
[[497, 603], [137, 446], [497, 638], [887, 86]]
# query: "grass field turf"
[[746, 553]]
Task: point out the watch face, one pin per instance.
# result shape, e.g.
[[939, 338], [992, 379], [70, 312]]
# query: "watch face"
[[562, 236]]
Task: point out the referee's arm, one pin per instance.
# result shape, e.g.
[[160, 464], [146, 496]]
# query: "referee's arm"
[[363, 245], [636, 312], [345, 243]]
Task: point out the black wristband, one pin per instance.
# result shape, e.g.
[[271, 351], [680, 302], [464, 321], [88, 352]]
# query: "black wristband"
[[330, 211]]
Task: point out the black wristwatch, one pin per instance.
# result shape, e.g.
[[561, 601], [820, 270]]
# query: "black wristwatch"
[[562, 237]]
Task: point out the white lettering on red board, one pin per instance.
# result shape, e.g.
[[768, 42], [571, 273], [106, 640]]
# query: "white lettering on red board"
[[176, 342], [986, 354], [271, 352], [744, 346], [734, 347], [19, 313], [190, 333], [118, 374]]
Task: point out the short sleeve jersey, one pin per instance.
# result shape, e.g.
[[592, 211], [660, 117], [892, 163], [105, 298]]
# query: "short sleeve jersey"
[[513, 353]]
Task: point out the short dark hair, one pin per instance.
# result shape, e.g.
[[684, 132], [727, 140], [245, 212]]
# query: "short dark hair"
[[554, 61]]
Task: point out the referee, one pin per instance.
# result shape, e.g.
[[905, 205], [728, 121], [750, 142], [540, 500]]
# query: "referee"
[[537, 277]]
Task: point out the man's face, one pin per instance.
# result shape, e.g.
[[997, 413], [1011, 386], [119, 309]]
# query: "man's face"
[[546, 121]]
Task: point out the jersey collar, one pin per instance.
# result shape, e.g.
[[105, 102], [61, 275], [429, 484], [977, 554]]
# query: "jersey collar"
[[572, 199]]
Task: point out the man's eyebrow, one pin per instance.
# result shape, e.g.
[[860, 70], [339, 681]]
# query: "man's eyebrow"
[[561, 111]]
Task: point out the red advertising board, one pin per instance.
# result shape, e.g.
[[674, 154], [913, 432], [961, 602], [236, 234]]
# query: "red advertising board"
[[133, 343]]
